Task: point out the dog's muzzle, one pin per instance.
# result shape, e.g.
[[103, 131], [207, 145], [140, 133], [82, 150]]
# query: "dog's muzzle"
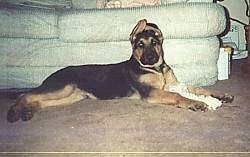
[[149, 58]]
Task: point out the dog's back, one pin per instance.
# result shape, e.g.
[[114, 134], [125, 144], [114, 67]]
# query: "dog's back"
[[103, 81]]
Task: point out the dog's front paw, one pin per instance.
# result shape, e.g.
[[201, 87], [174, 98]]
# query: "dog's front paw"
[[226, 98], [195, 106], [198, 106]]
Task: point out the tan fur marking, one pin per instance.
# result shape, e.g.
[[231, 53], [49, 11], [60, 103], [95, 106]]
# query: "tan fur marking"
[[175, 99], [76, 95], [61, 93], [153, 80], [69, 94], [199, 91], [159, 50], [168, 98], [137, 54], [170, 79], [146, 42]]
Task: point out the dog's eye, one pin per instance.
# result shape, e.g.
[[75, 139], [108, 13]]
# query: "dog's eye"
[[154, 42], [140, 44]]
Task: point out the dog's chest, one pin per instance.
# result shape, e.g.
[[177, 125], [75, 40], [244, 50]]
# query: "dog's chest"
[[153, 80]]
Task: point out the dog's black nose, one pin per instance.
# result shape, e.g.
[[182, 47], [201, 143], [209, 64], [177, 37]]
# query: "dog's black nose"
[[149, 59]]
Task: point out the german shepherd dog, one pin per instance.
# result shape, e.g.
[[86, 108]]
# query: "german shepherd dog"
[[144, 76]]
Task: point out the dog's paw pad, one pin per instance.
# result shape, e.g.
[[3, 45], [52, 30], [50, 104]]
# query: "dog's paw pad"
[[227, 98], [200, 106], [13, 114]]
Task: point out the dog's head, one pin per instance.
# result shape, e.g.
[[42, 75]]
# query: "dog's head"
[[146, 40]]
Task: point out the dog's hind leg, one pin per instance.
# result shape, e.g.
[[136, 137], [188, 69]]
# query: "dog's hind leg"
[[30, 103]]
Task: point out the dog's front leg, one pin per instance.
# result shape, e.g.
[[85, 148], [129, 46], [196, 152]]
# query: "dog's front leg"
[[223, 97], [175, 99], [212, 99]]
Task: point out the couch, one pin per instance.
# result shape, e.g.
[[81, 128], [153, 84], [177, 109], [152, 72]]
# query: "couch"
[[37, 41]]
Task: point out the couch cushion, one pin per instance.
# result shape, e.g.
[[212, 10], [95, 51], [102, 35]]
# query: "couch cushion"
[[179, 20], [27, 62], [28, 22]]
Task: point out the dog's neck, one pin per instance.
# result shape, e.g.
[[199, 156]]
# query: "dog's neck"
[[162, 68]]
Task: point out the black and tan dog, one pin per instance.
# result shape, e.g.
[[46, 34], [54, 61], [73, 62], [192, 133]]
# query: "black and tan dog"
[[144, 76]]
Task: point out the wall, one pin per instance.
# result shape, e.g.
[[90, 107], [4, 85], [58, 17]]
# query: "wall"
[[237, 9]]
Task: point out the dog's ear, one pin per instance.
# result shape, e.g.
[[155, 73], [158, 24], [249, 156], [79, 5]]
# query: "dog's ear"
[[154, 27], [138, 29]]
